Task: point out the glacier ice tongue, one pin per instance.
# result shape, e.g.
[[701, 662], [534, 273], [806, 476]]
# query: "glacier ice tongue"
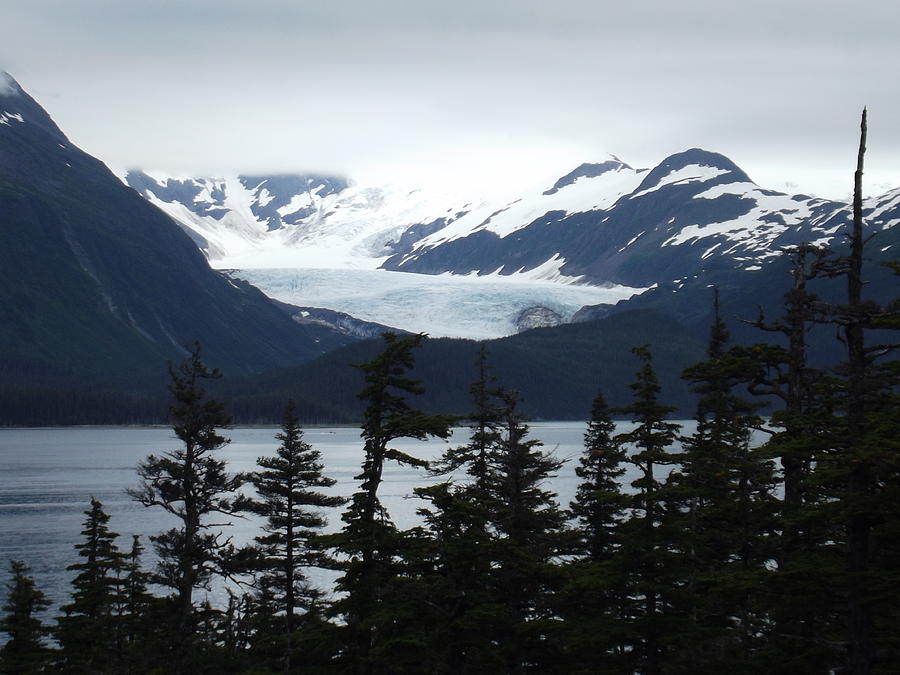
[[443, 306]]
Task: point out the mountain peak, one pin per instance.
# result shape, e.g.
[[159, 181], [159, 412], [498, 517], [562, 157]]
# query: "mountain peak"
[[701, 157], [16, 105], [694, 165], [588, 170]]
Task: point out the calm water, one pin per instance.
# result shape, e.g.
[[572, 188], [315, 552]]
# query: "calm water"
[[47, 477]]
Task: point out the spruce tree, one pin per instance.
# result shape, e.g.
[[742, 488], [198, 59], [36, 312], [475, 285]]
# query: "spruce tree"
[[90, 631], [453, 610], [192, 485], [369, 540], [484, 425], [650, 543], [24, 652], [785, 373], [289, 486], [598, 507], [137, 611], [592, 600], [801, 594], [728, 513], [837, 445], [447, 563], [869, 457], [528, 526], [483, 565], [860, 466]]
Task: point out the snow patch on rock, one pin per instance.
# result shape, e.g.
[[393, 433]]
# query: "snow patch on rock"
[[693, 173]]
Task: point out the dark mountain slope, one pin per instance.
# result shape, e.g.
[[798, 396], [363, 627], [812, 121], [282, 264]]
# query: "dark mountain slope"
[[99, 287], [747, 294]]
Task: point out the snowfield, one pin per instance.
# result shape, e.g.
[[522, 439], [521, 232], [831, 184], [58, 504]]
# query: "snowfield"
[[443, 306]]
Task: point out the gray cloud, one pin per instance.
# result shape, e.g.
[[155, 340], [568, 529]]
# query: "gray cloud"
[[349, 87]]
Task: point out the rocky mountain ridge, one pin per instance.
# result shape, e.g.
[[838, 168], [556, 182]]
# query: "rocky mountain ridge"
[[601, 223]]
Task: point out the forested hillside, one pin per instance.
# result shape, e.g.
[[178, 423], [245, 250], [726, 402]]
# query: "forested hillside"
[[555, 370]]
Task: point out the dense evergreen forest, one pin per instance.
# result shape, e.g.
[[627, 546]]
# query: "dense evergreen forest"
[[565, 366], [719, 557]]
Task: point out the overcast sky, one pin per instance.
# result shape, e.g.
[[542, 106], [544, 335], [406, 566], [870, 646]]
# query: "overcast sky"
[[482, 90]]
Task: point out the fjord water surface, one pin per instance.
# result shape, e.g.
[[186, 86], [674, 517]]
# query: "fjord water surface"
[[49, 476]]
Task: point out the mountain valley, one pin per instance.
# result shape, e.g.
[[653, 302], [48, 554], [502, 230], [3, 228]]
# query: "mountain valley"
[[103, 282], [605, 229]]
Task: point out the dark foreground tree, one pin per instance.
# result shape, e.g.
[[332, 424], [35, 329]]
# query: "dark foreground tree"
[[484, 425], [799, 599], [861, 466], [592, 600], [24, 652], [138, 613], [727, 513], [649, 548], [599, 504], [477, 581], [191, 484], [90, 631], [454, 615], [837, 442], [369, 540], [527, 524], [289, 486]]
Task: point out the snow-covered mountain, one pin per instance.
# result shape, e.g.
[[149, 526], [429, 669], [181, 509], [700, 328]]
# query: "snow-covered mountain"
[[594, 224], [318, 221], [604, 224], [694, 210], [315, 241], [295, 220]]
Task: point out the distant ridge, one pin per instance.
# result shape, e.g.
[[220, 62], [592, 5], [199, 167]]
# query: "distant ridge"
[[603, 222]]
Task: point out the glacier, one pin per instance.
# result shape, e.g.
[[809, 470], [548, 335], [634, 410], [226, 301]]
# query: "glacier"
[[474, 307], [431, 259]]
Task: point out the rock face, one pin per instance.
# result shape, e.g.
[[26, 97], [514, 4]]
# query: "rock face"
[[537, 317], [341, 322], [591, 313]]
